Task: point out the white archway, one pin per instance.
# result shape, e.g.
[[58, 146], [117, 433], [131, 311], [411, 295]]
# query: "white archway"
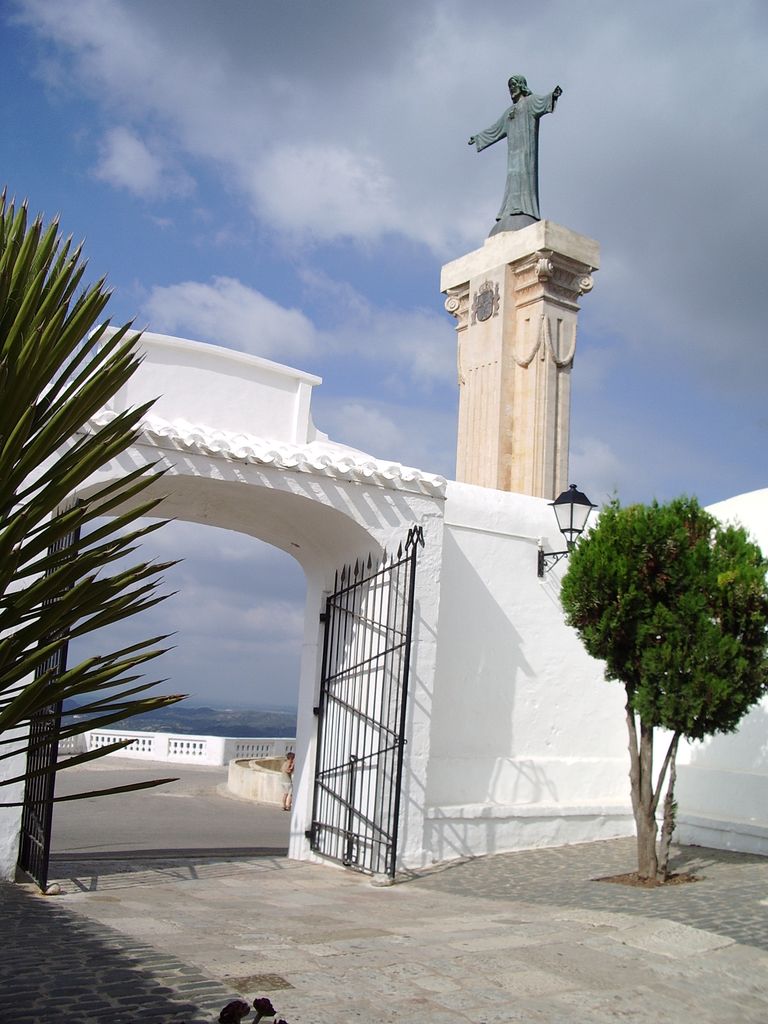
[[235, 437]]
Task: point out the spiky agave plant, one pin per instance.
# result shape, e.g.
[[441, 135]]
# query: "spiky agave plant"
[[57, 369]]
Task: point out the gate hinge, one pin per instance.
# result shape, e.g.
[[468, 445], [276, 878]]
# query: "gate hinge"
[[323, 616], [316, 710]]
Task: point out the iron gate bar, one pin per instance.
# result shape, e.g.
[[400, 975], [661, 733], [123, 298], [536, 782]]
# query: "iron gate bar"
[[43, 749], [362, 710], [365, 718], [365, 757], [366, 661], [350, 835], [365, 820], [415, 535]]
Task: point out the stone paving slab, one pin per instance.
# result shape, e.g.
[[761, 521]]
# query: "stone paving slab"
[[519, 937], [58, 965], [730, 898]]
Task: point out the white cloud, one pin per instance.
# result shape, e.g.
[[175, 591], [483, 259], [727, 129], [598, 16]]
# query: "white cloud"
[[415, 344], [282, 621], [211, 546], [356, 126], [236, 614], [597, 469], [125, 161], [372, 430], [324, 191], [229, 313], [415, 341], [208, 610], [410, 434]]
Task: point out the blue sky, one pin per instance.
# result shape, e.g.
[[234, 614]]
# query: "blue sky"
[[288, 176]]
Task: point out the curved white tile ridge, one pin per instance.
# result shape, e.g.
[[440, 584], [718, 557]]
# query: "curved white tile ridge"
[[323, 456]]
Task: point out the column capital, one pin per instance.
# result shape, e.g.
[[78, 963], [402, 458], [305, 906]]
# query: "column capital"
[[457, 304], [510, 246], [547, 274]]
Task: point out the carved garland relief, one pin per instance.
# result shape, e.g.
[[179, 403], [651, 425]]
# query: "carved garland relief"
[[544, 343]]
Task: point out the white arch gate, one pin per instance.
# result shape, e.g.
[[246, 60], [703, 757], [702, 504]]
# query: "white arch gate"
[[235, 437], [513, 740]]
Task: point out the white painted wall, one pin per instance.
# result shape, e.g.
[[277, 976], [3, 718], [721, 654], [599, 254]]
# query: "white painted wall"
[[723, 781], [528, 745], [10, 817], [218, 387], [528, 739]]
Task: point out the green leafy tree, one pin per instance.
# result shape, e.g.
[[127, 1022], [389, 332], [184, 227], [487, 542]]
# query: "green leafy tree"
[[676, 605], [57, 368]]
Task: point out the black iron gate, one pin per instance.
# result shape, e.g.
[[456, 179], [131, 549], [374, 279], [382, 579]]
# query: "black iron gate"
[[44, 728], [362, 710]]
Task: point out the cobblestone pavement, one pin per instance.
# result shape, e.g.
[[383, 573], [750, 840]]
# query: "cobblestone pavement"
[[730, 897], [58, 965], [522, 937]]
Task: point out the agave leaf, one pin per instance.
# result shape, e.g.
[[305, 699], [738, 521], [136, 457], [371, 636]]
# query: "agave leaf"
[[96, 792], [60, 363], [102, 721], [101, 554], [114, 699]]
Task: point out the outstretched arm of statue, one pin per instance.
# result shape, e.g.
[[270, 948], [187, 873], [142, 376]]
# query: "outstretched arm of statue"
[[488, 136]]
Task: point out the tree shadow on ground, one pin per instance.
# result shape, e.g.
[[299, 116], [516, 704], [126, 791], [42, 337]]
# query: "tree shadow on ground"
[[696, 859], [58, 965], [87, 873]]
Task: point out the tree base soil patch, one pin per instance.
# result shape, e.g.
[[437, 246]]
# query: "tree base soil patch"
[[632, 878]]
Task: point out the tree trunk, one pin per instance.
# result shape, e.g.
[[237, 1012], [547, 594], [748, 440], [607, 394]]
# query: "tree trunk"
[[647, 860], [670, 809], [643, 805]]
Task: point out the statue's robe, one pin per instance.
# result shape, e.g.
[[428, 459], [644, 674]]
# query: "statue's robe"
[[520, 124]]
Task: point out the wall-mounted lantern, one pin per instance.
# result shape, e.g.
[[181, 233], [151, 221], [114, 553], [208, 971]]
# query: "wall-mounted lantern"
[[572, 509]]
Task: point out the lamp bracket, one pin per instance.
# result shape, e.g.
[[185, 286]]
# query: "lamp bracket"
[[549, 559]]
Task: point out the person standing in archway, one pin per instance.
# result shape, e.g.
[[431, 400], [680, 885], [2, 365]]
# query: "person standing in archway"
[[288, 766]]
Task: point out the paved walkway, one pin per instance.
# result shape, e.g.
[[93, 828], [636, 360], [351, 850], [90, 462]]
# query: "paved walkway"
[[193, 812], [730, 898], [519, 937]]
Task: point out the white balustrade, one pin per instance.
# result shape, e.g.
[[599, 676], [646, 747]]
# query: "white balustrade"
[[72, 745], [191, 748], [143, 744], [178, 748]]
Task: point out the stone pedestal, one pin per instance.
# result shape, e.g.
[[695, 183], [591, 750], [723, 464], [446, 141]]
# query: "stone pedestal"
[[515, 301]]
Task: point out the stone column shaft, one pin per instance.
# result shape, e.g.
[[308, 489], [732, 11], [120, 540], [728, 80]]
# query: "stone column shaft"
[[515, 301]]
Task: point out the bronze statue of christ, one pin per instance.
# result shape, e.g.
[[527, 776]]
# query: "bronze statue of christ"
[[520, 125]]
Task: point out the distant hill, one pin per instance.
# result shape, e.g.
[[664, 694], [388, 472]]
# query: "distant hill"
[[214, 721]]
